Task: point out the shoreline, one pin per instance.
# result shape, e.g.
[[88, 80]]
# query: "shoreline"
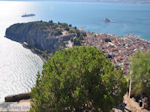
[[34, 52]]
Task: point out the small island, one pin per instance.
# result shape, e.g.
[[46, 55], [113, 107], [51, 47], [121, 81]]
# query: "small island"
[[28, 15], [107, 20]]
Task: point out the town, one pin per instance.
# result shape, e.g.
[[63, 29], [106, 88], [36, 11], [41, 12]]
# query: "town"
[[118, 49]]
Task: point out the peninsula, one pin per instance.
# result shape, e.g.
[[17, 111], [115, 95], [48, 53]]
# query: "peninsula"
[[28, 15], [45, 37]]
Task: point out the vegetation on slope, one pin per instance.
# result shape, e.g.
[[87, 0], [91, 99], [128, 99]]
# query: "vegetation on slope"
[[45, 36], [140, 74]]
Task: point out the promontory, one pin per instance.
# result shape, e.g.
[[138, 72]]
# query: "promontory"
[[45, 37]]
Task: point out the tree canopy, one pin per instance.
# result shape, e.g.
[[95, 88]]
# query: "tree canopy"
[[140, 73], [76, 80]]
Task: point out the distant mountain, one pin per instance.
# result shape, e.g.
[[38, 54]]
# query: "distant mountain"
[[114, 1]]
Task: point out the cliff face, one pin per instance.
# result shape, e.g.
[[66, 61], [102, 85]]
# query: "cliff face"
[[41, 35]]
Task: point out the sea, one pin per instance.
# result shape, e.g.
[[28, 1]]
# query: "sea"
[[19, 66]]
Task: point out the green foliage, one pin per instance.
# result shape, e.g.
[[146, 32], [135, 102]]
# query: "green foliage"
[[64, 24], [84, 34], [51, 21], [76, 80], [57, 32], [70, 25], [76, 42], [71, 31], [140, 73], [79, 37], [42, 53], [67, 28], [78, 33]]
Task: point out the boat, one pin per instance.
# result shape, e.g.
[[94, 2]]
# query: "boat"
[[28, 15]]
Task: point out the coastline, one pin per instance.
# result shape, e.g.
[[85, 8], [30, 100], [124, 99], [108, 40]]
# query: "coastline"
[[34, 52]]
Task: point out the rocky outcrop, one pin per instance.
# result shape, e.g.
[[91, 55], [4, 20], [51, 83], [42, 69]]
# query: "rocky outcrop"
[[41, 35]]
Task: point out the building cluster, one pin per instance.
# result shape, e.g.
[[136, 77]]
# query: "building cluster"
[[118, 49]]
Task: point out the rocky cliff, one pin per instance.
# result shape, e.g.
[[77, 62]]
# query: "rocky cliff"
[[46, 36]]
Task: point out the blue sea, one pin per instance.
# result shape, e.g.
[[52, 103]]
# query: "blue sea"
[[18, 66]]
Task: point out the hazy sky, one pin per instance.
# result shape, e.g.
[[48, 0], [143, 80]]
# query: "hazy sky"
[[123, 1], [76, 0]]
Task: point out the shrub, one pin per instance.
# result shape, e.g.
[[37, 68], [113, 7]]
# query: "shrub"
[[57, 32], [77, 42], [70, 25], [76, 80], [71, 31], [51, 21]]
